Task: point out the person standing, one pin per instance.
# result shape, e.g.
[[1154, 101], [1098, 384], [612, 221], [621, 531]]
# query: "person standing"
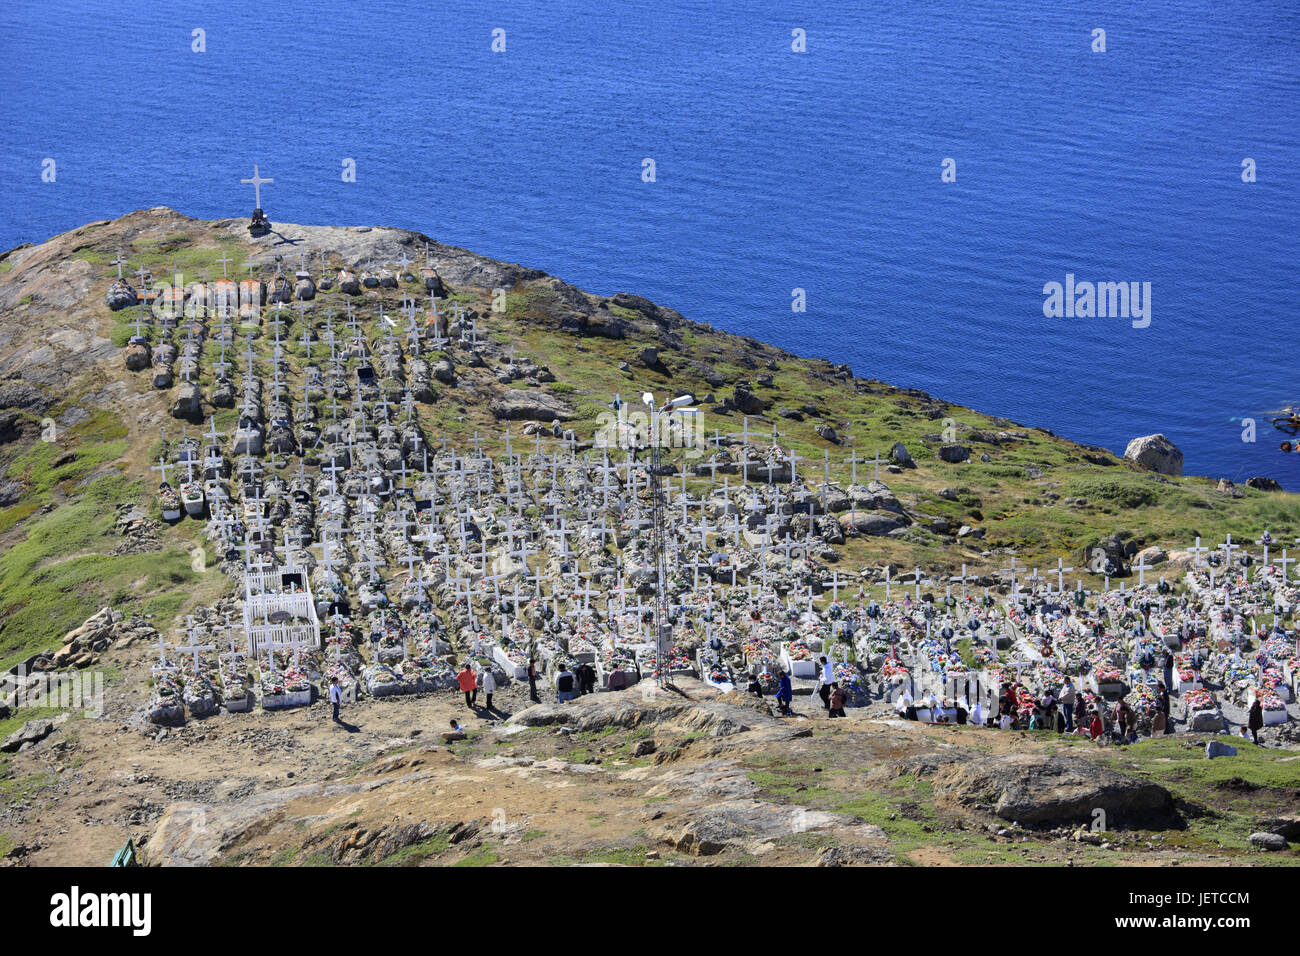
[[837, 697], [1067, 705], [587, 678], [564, 684], [784, 694], [828, 678], [489, 686], [1169, 671], [1162, 705], [1255, 720], [532, 681], [468, 682], [1095, 727], [336, 697], [617, 678], [1158, 723]]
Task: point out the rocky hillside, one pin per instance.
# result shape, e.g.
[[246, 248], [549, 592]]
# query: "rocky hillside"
[[615, 780], [78, 431]]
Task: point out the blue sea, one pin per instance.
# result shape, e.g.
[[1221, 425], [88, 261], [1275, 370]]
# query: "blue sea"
[[774, 170]]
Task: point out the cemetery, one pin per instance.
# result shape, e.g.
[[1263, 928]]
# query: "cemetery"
[[385, 481], [371, 551]]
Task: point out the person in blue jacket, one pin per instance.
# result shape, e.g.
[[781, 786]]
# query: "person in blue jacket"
[[785, 694]]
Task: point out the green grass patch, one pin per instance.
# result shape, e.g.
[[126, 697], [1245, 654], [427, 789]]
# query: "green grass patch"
[[478, 858], [417, 853]]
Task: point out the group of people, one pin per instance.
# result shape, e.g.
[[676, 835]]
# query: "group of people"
[[470, 681], [834, 697], [1072, 712]]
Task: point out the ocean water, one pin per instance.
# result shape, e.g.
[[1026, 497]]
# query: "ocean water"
[[774, 170]]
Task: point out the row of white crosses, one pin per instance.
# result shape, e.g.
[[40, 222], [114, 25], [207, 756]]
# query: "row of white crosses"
[[562, 532]]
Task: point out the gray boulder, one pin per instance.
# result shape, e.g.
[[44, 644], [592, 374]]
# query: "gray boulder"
[[871, 522], [1216, 749], [444, 372], [747, 402], [1034, 790], [1263, 484], [875, 496], [900, 456], [528, 404], [1271, 842], [120, 295], [953, 454], [188, 404], [1155, 453], [31, 732]]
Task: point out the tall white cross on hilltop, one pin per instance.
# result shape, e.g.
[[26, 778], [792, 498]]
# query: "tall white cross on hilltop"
[[256, 183]]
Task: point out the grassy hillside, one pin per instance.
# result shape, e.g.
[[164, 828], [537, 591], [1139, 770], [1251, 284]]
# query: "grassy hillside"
[[1037, 494]]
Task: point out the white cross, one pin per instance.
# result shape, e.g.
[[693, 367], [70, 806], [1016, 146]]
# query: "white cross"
[[1227, 548], [1265, 540], [919, 582], [119, 262], [192, 647], [963, 579], [1284, 561], [256, 182], [161, 468], [1197, 551], [1060, 574], [162, 651], [1141, 567]]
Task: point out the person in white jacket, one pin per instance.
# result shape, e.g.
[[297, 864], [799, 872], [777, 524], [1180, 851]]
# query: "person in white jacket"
[[489, 685]]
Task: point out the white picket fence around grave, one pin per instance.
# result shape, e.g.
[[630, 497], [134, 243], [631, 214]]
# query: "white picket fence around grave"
[[278, 619]]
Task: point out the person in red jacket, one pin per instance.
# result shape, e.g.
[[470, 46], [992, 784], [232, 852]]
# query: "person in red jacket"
[[1095, 726], [468, 681]]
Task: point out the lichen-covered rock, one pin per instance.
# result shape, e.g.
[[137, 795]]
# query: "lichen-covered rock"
[[872, 522], [120, 295], [530, 405]]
